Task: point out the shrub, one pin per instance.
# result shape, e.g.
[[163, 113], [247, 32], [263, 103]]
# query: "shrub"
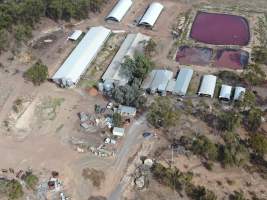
[[14, 189], [37, 74], [117, 120], [254, 119]]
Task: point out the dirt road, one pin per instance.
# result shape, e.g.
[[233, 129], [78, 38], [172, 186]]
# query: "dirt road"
[[131, 144]]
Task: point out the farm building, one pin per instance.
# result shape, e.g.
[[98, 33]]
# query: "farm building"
[[171, 85], [118, 131], [182, 82], [239, 91], [127, 111], [207, 86], [225, 93], [151, 15], [75, 35], [81, 57], [119, 10], [157, 81], [132, 44]]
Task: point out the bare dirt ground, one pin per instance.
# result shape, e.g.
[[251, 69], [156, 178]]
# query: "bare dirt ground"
[[39, 136]]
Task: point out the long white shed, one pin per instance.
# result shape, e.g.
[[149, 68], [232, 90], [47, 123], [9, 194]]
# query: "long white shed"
[[151, 15], [119, 10], [81, 57]]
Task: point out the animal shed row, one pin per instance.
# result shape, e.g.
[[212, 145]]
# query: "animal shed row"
[[161, 81], [82, 56], [148, 19]]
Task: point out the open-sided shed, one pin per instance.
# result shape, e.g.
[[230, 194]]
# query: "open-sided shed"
[[151, 15], [119, 10], [81, 57], [207, 86]]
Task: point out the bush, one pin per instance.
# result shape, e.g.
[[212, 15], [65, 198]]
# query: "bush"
[[150, 47], [37, 74], [254, 75]]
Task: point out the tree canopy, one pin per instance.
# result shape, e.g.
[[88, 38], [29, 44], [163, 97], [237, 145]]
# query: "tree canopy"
[[162, 113], [137, 67]]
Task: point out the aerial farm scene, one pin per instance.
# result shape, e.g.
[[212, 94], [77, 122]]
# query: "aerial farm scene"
[[133, 99]]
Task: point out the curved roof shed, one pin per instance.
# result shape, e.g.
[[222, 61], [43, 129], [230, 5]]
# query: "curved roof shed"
[[151, 15], [225, 93], [81, 57], [119, 10], [208, 85]]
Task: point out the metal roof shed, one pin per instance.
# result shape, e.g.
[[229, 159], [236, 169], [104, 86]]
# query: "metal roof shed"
[[75, 35], [208, 85], [81, 57], [183, 80], [132, 44], [119, 10], [170, 86], [126, 110], [239, 91], [161, 80], [151, 15], [225, 93], [118, 131]]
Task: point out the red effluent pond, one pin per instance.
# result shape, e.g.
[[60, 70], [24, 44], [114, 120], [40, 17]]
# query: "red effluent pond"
[[194, 56], [220, 29], [233, 59]]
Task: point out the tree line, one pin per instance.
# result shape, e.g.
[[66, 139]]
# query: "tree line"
[[18, 17]]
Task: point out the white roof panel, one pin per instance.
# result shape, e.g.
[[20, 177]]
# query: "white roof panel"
[[182, 82], [81, 57], [75, 35], [225, 92], [171, 85], [238, 92], [120, 10], [151, 14], [208, 85]]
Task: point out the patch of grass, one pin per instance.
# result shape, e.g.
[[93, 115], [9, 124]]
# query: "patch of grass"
[[31, 181]]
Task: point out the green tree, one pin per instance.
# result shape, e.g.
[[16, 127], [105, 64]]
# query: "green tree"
[[14, 189], [117, 120], [228, 121], [150, 47], [137, 67], [254, 119], [162, 113], [22, 32], [204, 147], [247, 101], [37, 74], [254, 75], [3, 39], [259, 54], [31, 181], [258, 143]]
